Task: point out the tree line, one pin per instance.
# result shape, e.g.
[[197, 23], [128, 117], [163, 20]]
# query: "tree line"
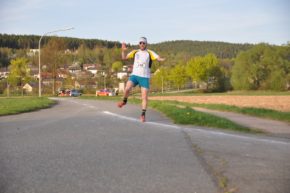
[[262, 67], [31, 42], [201, 48]]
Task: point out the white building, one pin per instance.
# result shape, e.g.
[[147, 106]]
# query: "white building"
[[32, 52], [93, 70], [121, 75]]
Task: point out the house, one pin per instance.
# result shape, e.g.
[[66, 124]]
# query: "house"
[[34, 71], [81, 84], [92, 70], [36, 76], [45, 75], [32, 52], [74, 69], [84, 74], [3, 74], [86, 66], [62, 73], [125, 68], [51, 81], [28, 88]]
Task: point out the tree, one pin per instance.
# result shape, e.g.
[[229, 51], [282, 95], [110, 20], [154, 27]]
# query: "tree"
[[108, 60], [241, 76], [116, 53], [19, 72], [160, 79], [53, 57], [178, 76], [203, 69], [283, 65], [226, 66], [117, 66], [262, 67], [101, 57], [5, 55]]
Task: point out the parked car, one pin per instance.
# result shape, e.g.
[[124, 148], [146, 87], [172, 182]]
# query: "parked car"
[[63, 92], [105, 92], [75, 93]]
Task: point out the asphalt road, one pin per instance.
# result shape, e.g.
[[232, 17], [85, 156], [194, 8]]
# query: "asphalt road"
[[86, 146]]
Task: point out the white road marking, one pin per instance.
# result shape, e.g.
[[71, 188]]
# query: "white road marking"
[[79, 103], [199, 130], [137, 120], [238, 136], [121, 116]]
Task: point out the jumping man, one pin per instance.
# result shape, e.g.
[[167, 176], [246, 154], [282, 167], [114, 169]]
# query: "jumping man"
[[141, 72]]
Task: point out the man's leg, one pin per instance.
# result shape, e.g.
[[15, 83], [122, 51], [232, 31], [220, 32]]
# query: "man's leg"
[[144, 95], [128, 88]]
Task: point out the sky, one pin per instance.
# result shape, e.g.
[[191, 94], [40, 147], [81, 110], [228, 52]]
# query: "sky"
[[234, 21]]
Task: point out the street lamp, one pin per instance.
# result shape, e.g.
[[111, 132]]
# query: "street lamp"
[[39, 65]]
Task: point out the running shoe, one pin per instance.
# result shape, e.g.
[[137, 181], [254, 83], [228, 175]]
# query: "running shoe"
[[121, 104], [142, 118]]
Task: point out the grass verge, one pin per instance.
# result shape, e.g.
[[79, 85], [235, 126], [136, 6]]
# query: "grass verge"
[[185, 116], [9, 106], [188, 116], [257, 112]]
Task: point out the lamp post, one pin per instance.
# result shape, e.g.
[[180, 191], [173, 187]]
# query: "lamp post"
[[39, 64]]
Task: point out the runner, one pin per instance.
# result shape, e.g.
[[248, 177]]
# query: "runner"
[[140, 75]]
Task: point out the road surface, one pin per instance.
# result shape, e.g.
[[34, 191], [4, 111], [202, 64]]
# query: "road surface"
[[87, 146]]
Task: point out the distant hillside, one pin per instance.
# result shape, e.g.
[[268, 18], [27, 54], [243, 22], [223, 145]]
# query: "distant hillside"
[[200, 48], [31, 41], [184, 47]]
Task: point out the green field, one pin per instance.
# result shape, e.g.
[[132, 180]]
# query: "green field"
[[9, 106]]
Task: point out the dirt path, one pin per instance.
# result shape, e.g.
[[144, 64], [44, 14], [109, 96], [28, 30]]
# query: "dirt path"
[[278, 128], [280, 103]]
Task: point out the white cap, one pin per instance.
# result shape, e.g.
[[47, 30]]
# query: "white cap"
[[143, 39]]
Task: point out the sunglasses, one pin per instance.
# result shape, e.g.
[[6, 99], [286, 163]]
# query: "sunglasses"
[[142, 43]]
